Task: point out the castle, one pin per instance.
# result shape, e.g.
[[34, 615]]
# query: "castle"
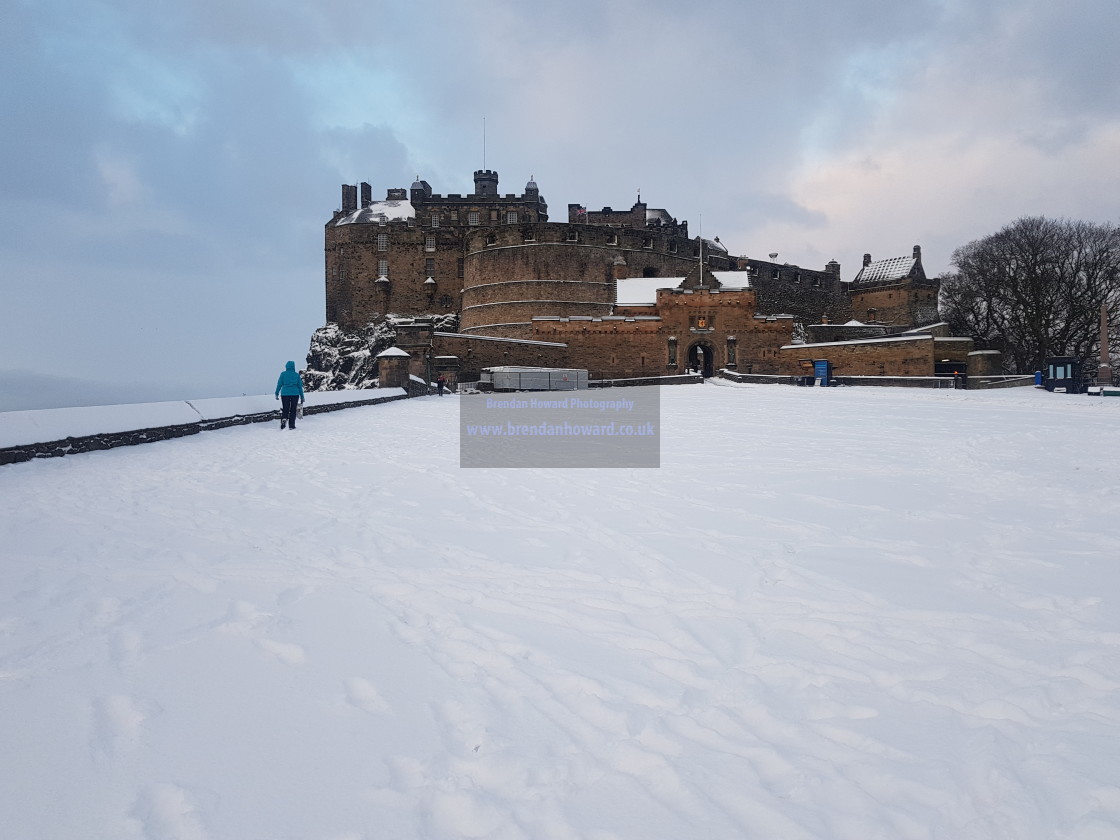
[[485, 279]]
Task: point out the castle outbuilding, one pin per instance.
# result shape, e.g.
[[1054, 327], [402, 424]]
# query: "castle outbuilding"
[[895, 292]]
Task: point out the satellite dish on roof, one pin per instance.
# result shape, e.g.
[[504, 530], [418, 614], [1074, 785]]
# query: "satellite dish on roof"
[[774, 255]]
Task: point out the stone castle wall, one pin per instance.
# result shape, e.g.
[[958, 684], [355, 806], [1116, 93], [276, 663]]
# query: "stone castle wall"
[[898, 304], [895, 356]]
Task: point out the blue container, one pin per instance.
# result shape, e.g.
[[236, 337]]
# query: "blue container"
[[1038, 377], [822, 371]]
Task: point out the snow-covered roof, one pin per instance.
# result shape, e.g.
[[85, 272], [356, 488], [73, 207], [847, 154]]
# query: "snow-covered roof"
[[879, 271], [391, 210], [642, 291], [733, 279], [888, 339], [392, 351], [639, 291], [927, 327]]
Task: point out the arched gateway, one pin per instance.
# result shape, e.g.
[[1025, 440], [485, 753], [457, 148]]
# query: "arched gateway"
[[702, 357]]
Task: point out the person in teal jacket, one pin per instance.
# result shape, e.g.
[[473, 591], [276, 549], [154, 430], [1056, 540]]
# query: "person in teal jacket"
[[289, 388]]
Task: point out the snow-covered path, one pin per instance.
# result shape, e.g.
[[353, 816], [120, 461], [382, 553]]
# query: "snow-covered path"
[[842, 614]]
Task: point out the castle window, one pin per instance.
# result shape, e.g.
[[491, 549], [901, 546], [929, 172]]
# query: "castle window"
[[816, 281], [776, 274], [647, 242], [672, 247], [511, 217], [529, 236], [429, 243], [612, 239], [472, 218], [429, 267], [797, 277], [491, 239], [459, 269], [383, 220], [382, 268], [445, 301], [435, 220], [382, 242], [573, 236]]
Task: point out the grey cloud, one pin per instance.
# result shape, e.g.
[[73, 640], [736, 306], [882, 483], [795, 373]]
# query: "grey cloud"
[[180, 159]]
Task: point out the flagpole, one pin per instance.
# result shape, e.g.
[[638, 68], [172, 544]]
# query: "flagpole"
[[701, 249]]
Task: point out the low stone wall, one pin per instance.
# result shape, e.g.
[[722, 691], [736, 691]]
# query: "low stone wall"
[[684, 379], [93, 443], [897, 381], [973, 382], [27, 449], [756, 378], [982, 382]]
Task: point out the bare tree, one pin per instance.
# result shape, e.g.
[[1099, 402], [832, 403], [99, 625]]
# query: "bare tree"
[[1035, 289]]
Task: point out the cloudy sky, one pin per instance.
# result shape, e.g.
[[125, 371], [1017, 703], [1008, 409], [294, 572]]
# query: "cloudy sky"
[[166, 168]]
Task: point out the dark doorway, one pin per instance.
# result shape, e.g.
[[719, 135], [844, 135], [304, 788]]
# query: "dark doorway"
[[702, 358]]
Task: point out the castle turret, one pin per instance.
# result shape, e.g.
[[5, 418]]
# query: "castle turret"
[[485, 182], [420, 191]]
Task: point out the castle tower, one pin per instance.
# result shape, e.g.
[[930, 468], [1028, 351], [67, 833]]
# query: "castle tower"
[[485, 182], [419, 192]]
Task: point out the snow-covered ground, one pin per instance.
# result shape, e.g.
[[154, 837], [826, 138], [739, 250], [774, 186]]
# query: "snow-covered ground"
[[852, 614]]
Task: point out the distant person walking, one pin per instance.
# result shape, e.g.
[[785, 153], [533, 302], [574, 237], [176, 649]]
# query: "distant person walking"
[[441, 383], [289, 390]]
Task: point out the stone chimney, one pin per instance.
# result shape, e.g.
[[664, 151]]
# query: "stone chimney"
[[833, 268], [367, 194], [917, 252], [349, 198], [866, 260]]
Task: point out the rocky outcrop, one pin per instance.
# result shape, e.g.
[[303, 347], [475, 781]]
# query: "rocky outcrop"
[[341, 359]]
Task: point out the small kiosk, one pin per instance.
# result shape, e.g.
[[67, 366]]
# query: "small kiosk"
[[1064, 373]]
